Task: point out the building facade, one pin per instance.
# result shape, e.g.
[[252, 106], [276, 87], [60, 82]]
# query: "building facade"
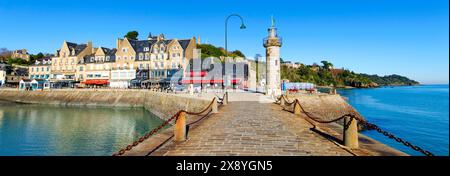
[[64, 64], [40, 69], [155, 59], [95, 69], [22, 54], [14, 75]]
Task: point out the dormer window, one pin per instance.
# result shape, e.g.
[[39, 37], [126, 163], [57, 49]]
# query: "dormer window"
[[92, 59], [107, 58], [146, 49]]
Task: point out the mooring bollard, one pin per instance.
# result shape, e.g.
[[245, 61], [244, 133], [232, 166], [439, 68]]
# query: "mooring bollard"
[[225, 99], [180, 127], [214, 106], [351, 133], [282, 100], [297, 109]]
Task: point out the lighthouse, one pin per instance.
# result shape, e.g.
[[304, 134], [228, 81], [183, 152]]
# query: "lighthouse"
[[272, 43]]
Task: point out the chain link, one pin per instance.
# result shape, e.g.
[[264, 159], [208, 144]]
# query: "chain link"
[[391, 136], [364, 123], [152, 132]]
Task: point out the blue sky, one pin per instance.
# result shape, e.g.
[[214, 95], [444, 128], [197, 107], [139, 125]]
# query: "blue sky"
[[406, 37]]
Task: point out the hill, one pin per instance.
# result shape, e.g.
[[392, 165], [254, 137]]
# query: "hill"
[[326, 75]]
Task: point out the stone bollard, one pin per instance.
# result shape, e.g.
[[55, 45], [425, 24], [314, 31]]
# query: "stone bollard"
[[282, 100], [297, 109], [225, 99], [351, 133], [214, 106], [180, 127]]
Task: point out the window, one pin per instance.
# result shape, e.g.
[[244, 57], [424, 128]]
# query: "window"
[[140, 66], [107, 58], [146, 49], [48, 69], [118, 57], [132, 58], [42, 69], [124, 57], [141, 56], [81, 68], [147, 65], [32, 69], [146, 56]]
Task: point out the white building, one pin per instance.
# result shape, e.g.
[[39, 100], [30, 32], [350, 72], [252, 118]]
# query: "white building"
[[121, 78], [2, 77]]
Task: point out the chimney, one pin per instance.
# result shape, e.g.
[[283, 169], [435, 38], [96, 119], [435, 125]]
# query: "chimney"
[[89, 46], [118, 43]]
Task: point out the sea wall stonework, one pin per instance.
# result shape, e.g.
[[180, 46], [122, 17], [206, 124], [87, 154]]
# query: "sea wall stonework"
[[162, 104]]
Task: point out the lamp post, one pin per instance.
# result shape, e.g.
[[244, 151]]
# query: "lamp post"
[[226, 43]]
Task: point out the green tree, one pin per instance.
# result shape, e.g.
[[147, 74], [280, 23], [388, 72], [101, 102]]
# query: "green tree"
[[132, 35], [326, 65], [33, 57], [17, 61], [237, 53]]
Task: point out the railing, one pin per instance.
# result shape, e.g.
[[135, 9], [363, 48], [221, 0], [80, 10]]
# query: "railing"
[[351, 122], [180, 131]]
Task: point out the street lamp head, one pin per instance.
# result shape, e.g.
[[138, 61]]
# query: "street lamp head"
[[243, 26]]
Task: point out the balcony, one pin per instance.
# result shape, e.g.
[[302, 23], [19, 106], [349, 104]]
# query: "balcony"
[[275, 41]]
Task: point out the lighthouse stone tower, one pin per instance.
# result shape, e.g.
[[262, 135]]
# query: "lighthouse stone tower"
[[272, 43]]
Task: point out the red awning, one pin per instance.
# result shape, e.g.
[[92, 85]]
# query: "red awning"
[[194, 74], [97, 81], [198, 81], [213, 81]]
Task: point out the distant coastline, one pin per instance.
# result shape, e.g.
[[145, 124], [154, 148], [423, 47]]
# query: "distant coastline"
[[327, 75]]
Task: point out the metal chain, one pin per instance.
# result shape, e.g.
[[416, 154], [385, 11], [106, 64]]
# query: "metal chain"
[[146, 136], [366, 124], [150, 133], [391, 136]]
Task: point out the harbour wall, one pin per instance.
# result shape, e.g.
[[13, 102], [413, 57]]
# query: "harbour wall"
[[161, 104]]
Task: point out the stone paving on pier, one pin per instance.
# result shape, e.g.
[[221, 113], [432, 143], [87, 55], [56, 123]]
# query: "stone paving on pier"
[[253, 128]]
